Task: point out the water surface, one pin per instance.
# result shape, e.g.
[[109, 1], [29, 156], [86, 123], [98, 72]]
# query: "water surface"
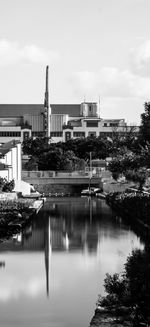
[[54, 270]]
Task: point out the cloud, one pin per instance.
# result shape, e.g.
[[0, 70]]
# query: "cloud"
[[140, 59], [12, 53], [110, 82]]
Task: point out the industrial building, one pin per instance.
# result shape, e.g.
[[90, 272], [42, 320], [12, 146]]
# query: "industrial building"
[[22, 121], [60, 122]]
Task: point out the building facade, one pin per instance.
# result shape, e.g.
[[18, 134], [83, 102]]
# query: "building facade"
[[68, 121], [10, 160]]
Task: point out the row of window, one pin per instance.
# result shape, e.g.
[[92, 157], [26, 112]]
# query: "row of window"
[[92, 123], [60, 134], [37, 134], [56, 134], [10, 134], [95, 124], [78, 134], [110, 125]]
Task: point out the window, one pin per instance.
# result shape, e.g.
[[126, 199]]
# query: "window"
[[67, 136], [25, 136], [38, 134], [92, 134], [106, 134], [10, 134], [56, 134], [78, 134], [105, 124], [92, 123], [113, 124]]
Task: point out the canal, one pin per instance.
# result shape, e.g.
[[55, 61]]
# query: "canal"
[[51, 273]]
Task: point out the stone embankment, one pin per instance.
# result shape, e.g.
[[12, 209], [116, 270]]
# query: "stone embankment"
[[14, 215], [111, 318]]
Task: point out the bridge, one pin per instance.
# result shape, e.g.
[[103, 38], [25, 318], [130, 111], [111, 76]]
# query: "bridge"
[[65, 182]]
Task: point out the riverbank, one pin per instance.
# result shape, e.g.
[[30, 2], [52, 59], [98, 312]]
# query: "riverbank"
[[134, 208], [16, 214], [111, 318]]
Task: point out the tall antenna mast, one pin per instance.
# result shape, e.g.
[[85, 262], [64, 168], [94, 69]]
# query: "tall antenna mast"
[[46, 106]]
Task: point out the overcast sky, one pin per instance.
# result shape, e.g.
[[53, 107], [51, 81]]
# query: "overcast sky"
[[95, 49]]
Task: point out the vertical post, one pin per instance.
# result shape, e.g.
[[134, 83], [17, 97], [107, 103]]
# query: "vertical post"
[[90, 164], [90, 170]]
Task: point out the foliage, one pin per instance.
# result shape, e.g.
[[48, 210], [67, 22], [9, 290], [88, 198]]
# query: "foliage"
[[116, 287], [131, 288], [2, 183], [145, 124], [137, 176], [132, 206], [32, 164], [6, 186], [12, 206], [122, 163], [125, 150], [63, 156], [132, 165], [35, 146]]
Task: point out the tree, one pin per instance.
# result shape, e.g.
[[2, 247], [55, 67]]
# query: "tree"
[[138, 176], [6, 186], [35, 146], [131, 288], [145, 124]]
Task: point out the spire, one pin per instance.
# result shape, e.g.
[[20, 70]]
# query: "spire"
[[46, 100], [46, 106]]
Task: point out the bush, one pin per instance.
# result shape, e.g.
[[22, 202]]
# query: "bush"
[[6, 186], [131, 289]]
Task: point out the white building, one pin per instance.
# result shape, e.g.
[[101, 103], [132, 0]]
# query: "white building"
[[10, 160], [11, 168], [66, 121]]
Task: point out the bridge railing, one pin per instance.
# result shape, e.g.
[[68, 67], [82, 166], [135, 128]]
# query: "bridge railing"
[[54, 174]]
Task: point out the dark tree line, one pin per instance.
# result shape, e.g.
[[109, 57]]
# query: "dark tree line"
[[128, 152]]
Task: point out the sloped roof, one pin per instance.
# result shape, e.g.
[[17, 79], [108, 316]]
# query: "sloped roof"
[[5, 148], [72, 110], [15, 110]]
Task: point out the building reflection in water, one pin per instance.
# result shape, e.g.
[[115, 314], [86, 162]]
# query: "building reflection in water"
[[68, 225], [61, 228], [48, 253]]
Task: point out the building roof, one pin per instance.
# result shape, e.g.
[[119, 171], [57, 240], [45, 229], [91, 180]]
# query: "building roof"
[[6, 147], [15, 110], [73, 110]]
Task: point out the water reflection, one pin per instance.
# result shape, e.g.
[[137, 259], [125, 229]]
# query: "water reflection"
[[55, 268]]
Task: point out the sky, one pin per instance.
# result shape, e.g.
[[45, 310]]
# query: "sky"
[[96, 50]]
